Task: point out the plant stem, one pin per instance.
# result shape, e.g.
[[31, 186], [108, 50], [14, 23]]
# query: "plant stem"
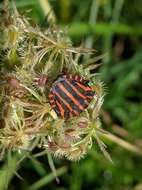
[[119, 141], [46, 179]]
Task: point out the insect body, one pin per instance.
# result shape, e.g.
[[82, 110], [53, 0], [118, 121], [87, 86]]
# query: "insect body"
[[70, 95]]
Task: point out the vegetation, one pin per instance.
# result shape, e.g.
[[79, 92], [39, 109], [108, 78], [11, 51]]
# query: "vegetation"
[[112, 27]]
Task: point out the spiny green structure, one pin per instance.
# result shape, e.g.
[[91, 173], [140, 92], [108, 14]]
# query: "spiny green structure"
[[29, 55]]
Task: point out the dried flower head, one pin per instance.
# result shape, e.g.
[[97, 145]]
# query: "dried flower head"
[[64, 125]]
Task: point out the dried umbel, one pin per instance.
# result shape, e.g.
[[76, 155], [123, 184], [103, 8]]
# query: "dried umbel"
[[47, 98]]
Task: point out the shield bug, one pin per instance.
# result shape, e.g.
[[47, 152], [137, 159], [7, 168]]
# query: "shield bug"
[[70, 95]]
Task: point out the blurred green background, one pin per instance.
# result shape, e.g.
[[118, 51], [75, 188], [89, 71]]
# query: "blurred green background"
[[112, 27]]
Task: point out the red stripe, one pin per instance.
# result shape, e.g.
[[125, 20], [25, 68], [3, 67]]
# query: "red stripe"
[[86, 88], [81, 95], [70, 96], [60, 108], [89, 97], [66, 103]]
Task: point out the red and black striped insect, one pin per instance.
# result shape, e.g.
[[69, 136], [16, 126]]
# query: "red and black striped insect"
[[70, 95]]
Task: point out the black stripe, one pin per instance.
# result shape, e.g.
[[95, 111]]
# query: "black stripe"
[[85, 93], [66, 114], [73, 93], [89, 93], [66, 98], [78, 87]]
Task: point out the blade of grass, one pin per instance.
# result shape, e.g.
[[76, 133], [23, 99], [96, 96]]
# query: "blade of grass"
[[37, 166], [8, 171], [100, 28], [107, 46], [130, 147], [47, 10], [92, 20], [117, 11], [52, 166], [40, 154], [47, 179]]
